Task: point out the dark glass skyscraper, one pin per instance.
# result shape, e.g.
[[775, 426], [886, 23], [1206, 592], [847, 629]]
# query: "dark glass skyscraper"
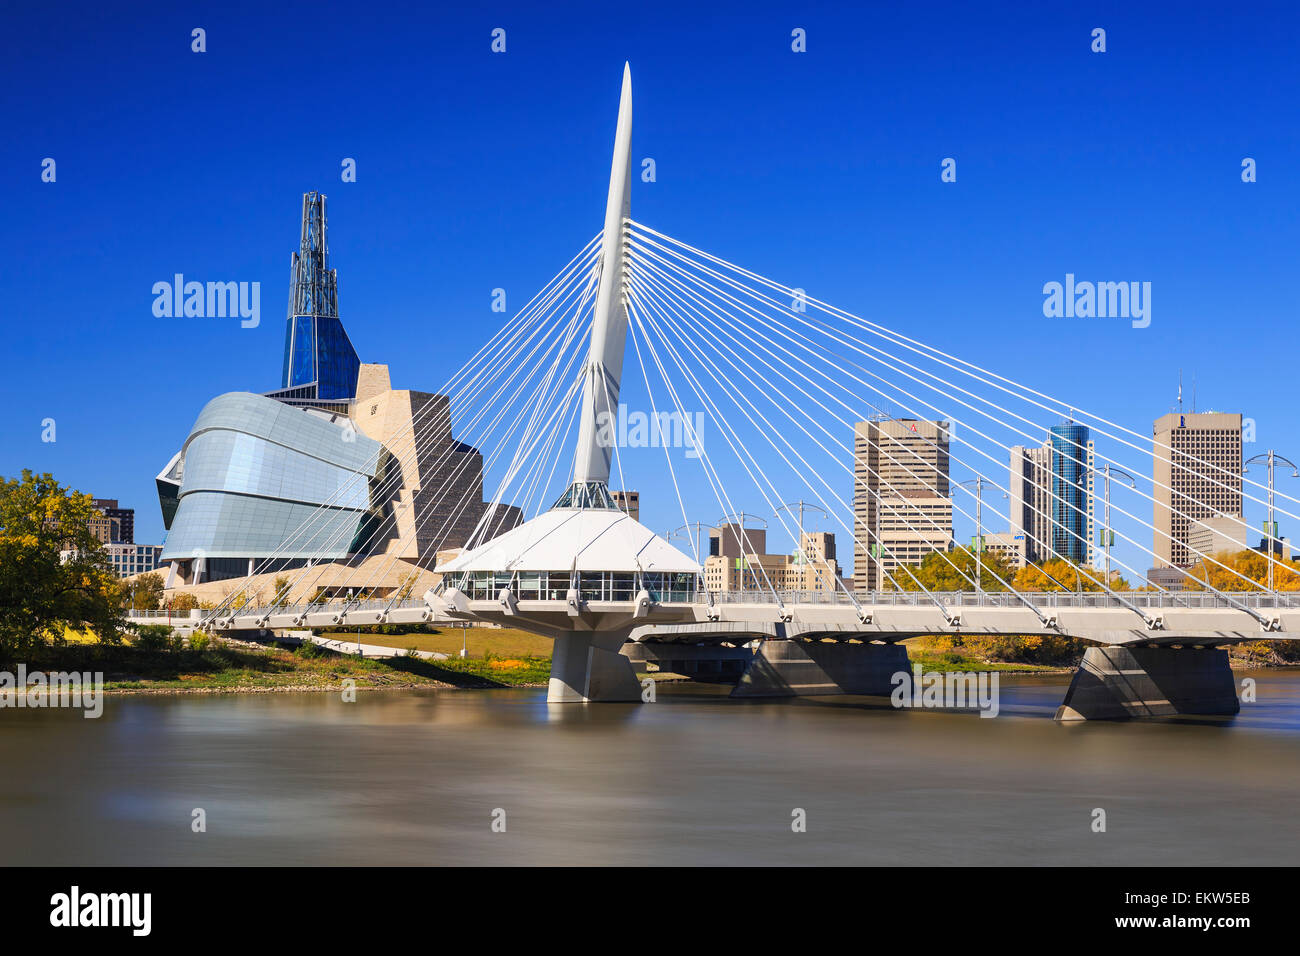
[[319, 360], [1071, 496]]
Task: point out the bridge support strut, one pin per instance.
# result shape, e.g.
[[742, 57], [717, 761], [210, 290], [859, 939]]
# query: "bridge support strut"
[[587, 666], [1123, 683]]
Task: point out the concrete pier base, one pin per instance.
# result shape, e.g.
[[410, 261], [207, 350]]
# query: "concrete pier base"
[[1122, 683], [587, 666], [801, 669]]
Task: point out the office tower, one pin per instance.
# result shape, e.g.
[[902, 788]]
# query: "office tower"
[[1072, 473], [124, 530], [1197, 475], [901, 507], [1030, 494]]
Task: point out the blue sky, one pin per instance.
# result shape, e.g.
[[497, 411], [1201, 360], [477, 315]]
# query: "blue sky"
[[479, 170]]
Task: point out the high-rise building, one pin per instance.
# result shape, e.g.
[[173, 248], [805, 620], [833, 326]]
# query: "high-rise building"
[[1051, 496], [121, 521], [1197, 475], [1030, 494], [901, 507], [1072, 474]]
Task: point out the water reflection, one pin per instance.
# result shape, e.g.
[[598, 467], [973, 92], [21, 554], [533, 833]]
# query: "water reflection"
[[413, 777]]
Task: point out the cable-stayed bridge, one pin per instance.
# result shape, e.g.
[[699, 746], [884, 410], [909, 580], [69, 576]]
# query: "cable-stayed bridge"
[[766, 389]]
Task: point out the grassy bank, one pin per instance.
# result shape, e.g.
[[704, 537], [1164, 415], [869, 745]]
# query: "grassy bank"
[[230, 666], [480, 642]]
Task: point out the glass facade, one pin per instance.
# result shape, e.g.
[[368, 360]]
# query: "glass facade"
[[256, 472], [1071, 498], [592, 585], [317, 351]]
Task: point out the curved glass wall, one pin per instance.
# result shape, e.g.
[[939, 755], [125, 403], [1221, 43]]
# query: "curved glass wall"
[[256, 473]]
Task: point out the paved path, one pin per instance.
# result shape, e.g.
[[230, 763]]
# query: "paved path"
[[367, 650]]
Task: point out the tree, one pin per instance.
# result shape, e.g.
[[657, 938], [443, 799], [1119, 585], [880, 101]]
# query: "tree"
[[146, 592], [1241, 571], [1051, 575], [183, 601], [936, 572], [41, 593]]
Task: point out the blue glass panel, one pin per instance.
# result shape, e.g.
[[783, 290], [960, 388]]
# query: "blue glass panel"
[[302, 368], [1070, 502]]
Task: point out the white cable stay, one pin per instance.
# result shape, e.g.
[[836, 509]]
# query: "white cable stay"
[[979, 411], [970, 370], [1106, 586]]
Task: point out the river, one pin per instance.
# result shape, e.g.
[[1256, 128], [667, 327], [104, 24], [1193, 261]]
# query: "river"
[[417, 777]]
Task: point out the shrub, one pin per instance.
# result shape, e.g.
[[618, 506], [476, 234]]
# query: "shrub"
[[153, 637], [200, 641]]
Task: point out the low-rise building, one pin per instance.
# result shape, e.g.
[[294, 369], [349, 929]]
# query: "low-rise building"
[[738, 561]]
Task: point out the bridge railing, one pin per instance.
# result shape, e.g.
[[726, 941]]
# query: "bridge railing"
[[1042, 599]]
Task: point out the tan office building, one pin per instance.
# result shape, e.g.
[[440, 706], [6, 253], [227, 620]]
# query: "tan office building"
[[901, 507], [1197, 475]]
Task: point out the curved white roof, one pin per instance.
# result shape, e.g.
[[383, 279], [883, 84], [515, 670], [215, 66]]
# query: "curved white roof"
[[567, 538]]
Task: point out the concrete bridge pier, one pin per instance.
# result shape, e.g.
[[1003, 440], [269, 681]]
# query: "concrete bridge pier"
[[587, 666], [1123, 683], [793, 668]]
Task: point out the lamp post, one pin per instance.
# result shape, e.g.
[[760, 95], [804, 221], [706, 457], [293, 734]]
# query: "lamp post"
[[802, 505], [739, 517], [1271, 458], [978, 482], [1106, 472], [696, 526]]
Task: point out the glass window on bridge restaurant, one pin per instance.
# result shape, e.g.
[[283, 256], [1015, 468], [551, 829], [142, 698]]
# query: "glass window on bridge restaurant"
[[592, 586]]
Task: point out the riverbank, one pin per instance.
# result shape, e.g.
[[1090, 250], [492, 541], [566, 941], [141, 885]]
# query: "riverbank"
[[242, 667]]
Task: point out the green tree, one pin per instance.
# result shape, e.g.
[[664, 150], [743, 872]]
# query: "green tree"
[[145, 592], [41, 594]]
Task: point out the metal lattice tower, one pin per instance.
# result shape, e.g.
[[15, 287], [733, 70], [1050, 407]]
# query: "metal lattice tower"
[[314, 287]]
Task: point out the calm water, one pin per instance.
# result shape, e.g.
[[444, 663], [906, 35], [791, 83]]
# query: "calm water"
[[413, 778]]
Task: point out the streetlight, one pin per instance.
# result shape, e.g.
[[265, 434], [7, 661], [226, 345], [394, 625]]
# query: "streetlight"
[[696, 526], [978, 481], [802, 505], [1106, 472], [739, 517], [1271, 458]]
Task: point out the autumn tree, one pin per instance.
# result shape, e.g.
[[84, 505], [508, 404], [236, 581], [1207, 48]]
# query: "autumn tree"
[[1061, 575], [953, 571], [1241, 571], [54, 573], [145, 592]]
